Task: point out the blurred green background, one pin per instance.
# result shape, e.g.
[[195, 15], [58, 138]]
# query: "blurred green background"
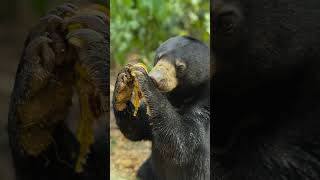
[[138, 27]]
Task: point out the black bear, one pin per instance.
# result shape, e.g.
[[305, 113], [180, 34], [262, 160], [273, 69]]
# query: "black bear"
[[176, 91], [266, 90]]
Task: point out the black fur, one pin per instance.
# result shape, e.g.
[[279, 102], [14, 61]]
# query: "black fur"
[[179, 124], [266, 90]]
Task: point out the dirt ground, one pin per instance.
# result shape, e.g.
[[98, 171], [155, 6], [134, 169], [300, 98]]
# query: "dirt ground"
[[125, 156]]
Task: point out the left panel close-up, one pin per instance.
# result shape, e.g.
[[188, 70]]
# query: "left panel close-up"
[[54, 90]]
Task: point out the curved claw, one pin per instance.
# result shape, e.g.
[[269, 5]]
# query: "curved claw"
[[53, 22], [88, 21], [93, 52], [65, 10], [138, 70], [52, 19], [99, 7], [83, 38], [103, 9], [71, 6], [93, 12]]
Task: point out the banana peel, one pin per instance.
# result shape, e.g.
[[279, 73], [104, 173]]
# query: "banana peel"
[[135, 94], [84, 133]]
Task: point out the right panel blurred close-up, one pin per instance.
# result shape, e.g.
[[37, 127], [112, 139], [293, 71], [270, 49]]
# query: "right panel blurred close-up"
[[265, 90], [160, 90]]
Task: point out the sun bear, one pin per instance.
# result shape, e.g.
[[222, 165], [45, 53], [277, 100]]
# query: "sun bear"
[[175, 115]]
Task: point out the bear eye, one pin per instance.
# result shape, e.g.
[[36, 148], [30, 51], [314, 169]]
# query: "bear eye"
[[181, 66], [226, 23]]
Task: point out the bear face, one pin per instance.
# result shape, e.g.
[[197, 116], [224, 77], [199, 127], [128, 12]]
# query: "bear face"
[[259, 43], [181, 63]]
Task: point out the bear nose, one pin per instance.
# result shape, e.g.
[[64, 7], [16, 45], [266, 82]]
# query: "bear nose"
[[156, 77], [154, 81]]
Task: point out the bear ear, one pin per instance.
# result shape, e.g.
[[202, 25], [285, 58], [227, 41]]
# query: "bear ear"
[[181, 66]]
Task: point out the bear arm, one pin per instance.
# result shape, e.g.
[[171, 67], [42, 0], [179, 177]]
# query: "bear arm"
[[135, 128], [175, 135]]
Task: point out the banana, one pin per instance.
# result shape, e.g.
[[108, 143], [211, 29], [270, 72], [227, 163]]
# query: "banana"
[[137, 95]]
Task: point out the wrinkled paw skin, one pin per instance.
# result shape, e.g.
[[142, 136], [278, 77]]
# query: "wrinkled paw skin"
[[66, 53], [46, 74]]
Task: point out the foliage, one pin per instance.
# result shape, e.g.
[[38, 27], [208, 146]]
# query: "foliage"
[[141, 26]]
